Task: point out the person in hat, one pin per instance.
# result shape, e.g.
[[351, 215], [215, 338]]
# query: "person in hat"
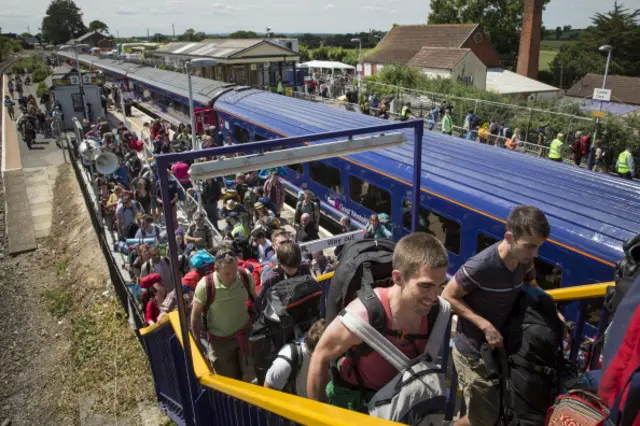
[[274, 190], [231, 194], [156, 294], [264, 218]]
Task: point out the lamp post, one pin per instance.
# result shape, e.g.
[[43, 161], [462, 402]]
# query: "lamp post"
[[188, 67], [606, 48], [75, 48], [361, 66]]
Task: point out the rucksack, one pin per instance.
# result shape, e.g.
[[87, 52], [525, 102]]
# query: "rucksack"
[[294, 362], [533, 343], [211, 294], [627, 270], [416, 395], [620, 323], [290, 307], [363, 264]]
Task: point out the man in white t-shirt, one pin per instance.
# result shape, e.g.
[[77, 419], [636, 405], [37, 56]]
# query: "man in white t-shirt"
[[265, 250], [294, 358]]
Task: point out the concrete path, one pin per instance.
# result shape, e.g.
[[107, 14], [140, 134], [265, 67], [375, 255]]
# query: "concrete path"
[[29, 177]]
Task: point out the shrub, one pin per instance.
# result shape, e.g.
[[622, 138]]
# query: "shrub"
[[42, 89], [39, 75]]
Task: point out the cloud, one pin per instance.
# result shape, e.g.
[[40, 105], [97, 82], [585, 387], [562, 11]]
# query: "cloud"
[[374, 8], [124, 11], [229, 8], [174, 2], [12, 14], [330, 6]]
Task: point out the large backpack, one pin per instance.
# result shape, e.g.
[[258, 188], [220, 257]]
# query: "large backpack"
[[627, 270], [290, 308], [416, 395], [364, 264], [287, 310], [295, 362], [533, 343]]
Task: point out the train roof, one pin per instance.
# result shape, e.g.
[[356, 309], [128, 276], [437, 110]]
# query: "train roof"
[[204, 89], [591, 212]]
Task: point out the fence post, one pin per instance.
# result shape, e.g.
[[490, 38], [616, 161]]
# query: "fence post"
[[526, 134]]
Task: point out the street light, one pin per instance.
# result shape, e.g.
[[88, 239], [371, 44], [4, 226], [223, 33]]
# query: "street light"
[[188, 67], [75, 48], [361, 66], [606, 48]]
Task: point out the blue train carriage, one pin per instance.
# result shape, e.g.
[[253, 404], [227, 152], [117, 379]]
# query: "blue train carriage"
[[468, 189]]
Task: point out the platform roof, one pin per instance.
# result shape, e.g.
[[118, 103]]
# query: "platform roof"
[[507, 82]]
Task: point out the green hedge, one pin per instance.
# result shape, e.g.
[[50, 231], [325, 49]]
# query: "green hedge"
[[39, 75]]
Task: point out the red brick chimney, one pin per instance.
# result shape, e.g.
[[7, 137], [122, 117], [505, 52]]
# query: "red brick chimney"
[[529, 54]]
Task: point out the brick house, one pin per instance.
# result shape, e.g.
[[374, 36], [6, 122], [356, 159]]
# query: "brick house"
[[403, 42]]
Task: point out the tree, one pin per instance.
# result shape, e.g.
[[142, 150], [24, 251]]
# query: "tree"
[[336, 54], [26, 35], [199, 36], [501, 21], [558, 33], [158, 38], [96, 25], [62, 22], [618, 28], [566, 28], [243, 34], [305, 54], [188, 35], [321, 53]]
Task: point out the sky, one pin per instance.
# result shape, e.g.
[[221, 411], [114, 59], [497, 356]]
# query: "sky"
[[133, 17]]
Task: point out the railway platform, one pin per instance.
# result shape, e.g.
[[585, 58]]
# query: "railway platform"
[[29, 177]]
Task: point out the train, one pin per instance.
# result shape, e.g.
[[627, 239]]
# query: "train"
[[467, 189]]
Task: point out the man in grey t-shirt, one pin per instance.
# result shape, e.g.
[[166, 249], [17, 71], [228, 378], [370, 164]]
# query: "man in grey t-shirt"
[[483, 293]]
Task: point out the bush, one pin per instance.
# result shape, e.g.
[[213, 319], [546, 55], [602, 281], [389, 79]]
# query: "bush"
[[39, 75], [42, 89]]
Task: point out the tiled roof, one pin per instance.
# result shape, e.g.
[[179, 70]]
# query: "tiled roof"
[[623, 89], [403, 42], [443, 58]]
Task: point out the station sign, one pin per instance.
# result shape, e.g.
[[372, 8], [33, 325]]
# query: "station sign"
[[603, 95], [73, 79], [334, 241]]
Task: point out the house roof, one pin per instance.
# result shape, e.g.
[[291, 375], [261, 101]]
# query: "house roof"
[[216, 48], [85, 36], [507, 82], [444, 58], [403, 42], [624, 90]]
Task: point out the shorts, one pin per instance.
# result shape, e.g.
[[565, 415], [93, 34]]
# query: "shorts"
[[481, 396], [228, 360]]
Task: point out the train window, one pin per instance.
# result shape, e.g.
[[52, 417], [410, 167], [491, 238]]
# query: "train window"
[[484, 241], [326, 175], [369, 195], [444, 229], [296, 168], [548, 276], [240, 135]]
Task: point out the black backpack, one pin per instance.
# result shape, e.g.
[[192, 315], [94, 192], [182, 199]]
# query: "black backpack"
[[627, 270], [364, 263], [534, 345]]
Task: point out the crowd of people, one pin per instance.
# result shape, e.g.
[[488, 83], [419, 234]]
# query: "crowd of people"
[[44, 118], [594, 155]]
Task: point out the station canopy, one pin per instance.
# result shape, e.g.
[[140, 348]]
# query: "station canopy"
[[331, 65]]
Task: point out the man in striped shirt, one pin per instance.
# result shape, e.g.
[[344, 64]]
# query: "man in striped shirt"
[[483, 293]]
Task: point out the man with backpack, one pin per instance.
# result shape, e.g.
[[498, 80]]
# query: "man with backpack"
[[290, 369], [289, 265], [158, 264], [148, 229], [405, 314], [307, 205], [199, 233], [483, 293], [220, 305]]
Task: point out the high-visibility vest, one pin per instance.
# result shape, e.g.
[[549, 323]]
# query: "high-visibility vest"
[[623, 162], [555, 150], [447, 124], [405, 111], [280, 88], [239, 231]]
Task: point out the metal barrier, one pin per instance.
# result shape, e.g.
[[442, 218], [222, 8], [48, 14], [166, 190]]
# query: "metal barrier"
[[224, 401]]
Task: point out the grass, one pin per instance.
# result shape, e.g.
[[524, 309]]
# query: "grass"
[[546, 57], [554, 44], [59, 302], [61, 267]]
